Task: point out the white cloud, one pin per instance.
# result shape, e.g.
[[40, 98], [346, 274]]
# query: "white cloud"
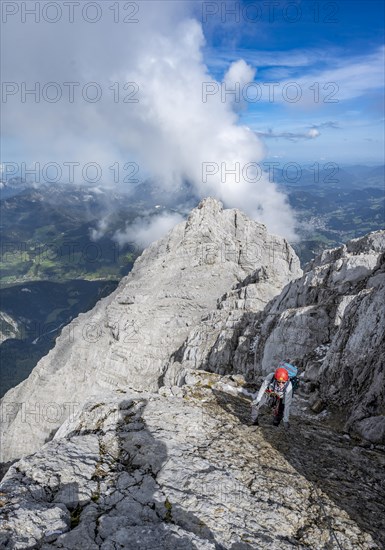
[[237, 77], [290, 60], [339, 81], [171, 133], [239, 72], [101, 229], [353, 75], [292, 136], [313, 133], [148, 229]]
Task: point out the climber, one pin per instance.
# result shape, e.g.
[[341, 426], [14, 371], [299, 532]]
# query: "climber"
[[276, 390]]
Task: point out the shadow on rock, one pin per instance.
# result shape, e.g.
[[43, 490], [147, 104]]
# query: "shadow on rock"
[[352, 476], [95, 486]]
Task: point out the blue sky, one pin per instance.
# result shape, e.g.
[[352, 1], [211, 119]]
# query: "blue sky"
[[318, 67], [331, 51]]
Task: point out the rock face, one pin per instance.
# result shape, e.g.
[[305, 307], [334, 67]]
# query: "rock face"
[[221, 341], [8, 327], [352, 375], [136, 447], [331, 322], [127, 340], [178, 469]]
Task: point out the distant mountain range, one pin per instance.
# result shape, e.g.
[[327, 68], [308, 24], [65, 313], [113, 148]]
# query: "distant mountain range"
[[134, 431], [333, 204], [47, 232], [61, 237], [330, 175]]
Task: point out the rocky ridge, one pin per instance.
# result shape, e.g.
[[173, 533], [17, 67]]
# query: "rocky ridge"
[[177, 469], [136, 448], [330, 322], [127, 339]]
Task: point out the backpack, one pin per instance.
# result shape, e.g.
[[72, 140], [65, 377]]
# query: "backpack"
[[293, 374]]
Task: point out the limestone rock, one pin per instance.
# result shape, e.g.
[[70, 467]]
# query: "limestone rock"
[[128, 338], [136, 447], [142, 470], [221, 341], [352, 375], [331, 323], [9, 328]]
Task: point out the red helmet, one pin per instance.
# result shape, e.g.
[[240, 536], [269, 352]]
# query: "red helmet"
[[281, 374]]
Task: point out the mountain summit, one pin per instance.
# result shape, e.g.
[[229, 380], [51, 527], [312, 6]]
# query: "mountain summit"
[[136, 445], [127, 340]]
